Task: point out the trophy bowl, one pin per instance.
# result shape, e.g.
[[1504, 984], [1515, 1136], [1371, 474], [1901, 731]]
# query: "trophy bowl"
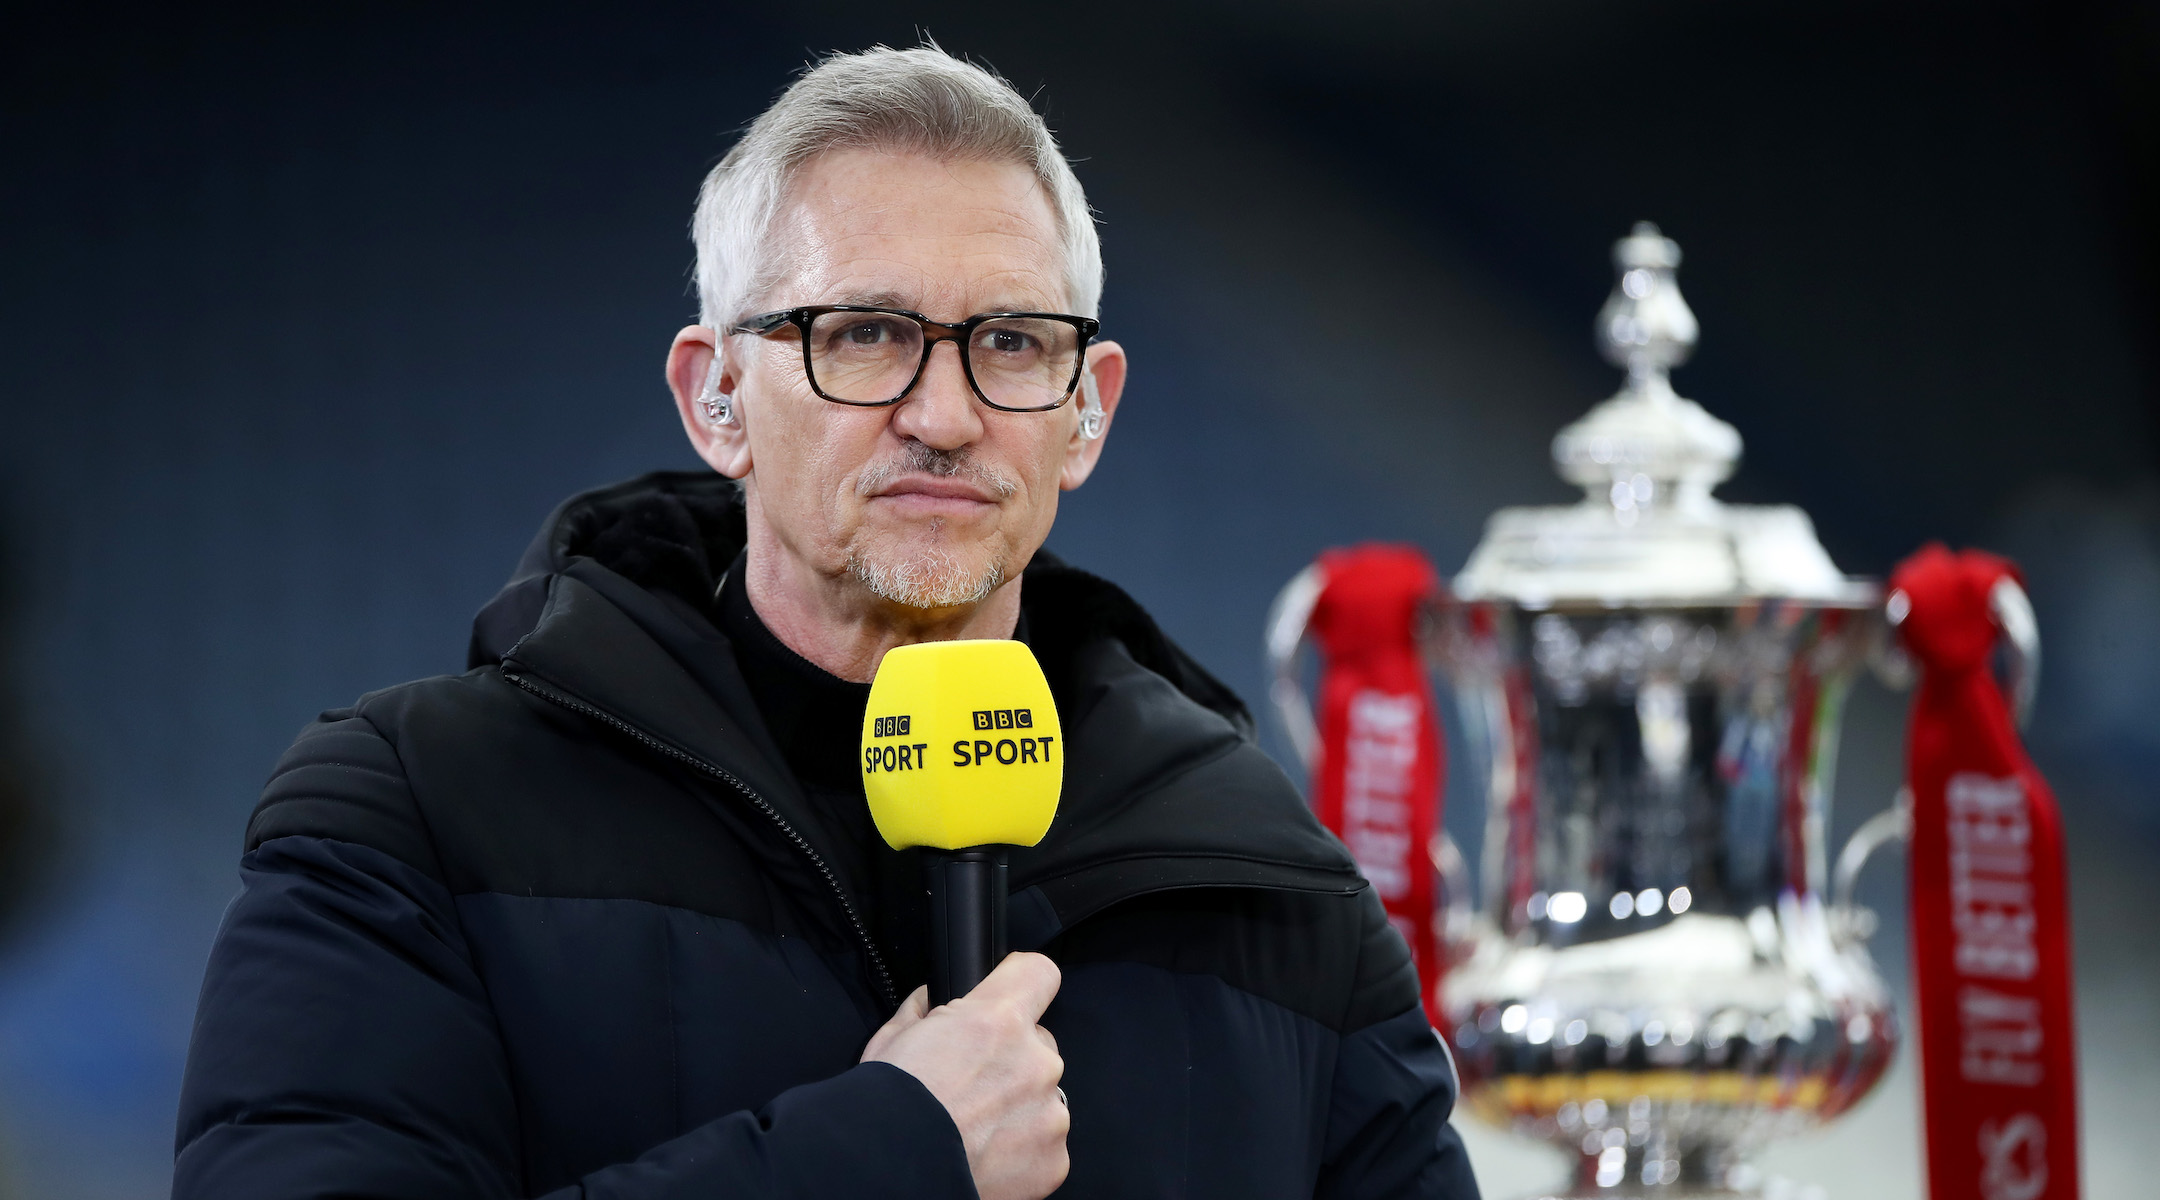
[[1655, 980]]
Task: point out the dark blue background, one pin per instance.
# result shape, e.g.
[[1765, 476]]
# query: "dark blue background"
[[307, 319]]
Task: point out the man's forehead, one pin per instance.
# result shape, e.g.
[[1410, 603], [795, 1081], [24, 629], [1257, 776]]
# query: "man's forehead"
[[908, 231]]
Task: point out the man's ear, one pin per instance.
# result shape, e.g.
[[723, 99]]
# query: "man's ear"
[[1106, 368], [725, 446]]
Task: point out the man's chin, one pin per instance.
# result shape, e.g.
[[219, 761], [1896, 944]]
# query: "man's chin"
[[928, 576]]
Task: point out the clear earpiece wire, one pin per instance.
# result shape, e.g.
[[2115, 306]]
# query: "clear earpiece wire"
[[719, 409], [1091, 411]]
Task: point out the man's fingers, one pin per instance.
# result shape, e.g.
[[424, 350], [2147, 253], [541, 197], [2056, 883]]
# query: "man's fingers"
[[1028, 982]]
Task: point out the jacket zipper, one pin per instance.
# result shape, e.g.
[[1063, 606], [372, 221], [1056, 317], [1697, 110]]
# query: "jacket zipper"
[[832, 881]]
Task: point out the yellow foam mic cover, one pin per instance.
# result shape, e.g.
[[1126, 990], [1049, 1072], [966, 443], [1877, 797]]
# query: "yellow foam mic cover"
[[961, 746]]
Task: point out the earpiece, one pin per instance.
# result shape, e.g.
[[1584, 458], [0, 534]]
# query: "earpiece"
[[1091, 410], [719, 408]]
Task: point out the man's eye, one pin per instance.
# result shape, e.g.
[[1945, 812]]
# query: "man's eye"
[[1010, 341], [868, 333]]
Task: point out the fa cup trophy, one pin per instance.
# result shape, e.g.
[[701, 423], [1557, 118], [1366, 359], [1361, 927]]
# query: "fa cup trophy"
[[1661, 974]]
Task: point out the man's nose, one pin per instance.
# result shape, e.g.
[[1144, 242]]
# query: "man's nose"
[[941, 412]]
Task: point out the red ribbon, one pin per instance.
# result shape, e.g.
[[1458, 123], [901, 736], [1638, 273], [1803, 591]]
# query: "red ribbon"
[[1376, 778], [1990, 919]]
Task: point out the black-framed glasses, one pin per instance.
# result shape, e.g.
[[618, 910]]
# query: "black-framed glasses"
[[872, 357]]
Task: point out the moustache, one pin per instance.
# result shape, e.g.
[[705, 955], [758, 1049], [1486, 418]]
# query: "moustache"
[[920, 459]]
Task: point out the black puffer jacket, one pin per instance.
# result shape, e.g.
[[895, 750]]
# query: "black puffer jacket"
[[564, 925]]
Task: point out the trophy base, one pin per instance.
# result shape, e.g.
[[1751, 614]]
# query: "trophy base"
[[1647, 1173]]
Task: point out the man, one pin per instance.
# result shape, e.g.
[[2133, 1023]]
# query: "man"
[[606, 916]]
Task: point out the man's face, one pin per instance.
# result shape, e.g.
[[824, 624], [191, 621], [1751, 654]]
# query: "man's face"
[[936, 500]]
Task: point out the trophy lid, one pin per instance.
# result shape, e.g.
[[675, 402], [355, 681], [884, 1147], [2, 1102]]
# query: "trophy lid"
[[1648, 531]]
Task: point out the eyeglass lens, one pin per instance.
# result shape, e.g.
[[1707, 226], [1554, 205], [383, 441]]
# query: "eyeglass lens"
[[868, 358]]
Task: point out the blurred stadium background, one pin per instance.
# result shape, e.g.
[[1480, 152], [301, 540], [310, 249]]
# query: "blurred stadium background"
[[307, 319]]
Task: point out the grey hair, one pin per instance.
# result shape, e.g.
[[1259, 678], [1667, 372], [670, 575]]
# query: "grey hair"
[[921, 101]]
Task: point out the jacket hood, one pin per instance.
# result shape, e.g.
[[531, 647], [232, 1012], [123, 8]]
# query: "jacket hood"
[[1164, 786], [670, 532]]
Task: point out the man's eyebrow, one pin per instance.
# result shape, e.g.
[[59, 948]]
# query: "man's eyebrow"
[[907, 304], [878, 300]]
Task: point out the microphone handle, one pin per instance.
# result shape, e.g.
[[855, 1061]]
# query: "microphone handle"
[[967, 920]]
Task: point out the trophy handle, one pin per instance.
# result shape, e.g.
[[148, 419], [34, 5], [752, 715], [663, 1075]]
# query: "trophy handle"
[[1893, 824], [1457, 906], [1287, 619], [2013, 611]]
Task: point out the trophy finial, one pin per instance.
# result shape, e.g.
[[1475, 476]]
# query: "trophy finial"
[[1645, 326], [1646, 447]]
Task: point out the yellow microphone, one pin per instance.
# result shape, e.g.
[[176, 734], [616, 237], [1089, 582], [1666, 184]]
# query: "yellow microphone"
[[963, 756]]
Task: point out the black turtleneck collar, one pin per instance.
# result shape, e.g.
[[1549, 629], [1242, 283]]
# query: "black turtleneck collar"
[[814, 716]]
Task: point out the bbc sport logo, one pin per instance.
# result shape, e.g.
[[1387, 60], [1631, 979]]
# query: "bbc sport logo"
[[1004, 718]]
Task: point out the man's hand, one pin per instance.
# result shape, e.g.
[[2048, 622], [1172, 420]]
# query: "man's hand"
[[995, 1070]]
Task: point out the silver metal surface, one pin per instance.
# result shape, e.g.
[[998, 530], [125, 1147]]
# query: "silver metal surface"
[[1287, 620], [2021, 645], [1892, 825]]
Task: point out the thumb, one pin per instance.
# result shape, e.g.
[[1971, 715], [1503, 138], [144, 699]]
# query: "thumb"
[[912, 1011], [1027, 981]]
